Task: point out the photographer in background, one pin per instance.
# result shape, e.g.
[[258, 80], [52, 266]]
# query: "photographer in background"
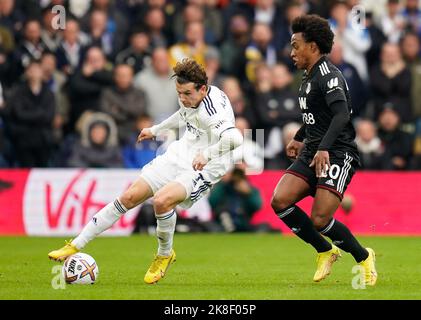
[[234, 201]]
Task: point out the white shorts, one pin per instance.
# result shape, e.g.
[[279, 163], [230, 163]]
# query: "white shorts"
[[165, 169]]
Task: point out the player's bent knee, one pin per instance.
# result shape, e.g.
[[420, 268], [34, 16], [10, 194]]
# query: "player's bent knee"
[[279, 203], [129, 200], [162, 203]]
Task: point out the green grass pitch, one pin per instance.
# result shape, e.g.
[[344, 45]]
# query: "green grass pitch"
[[221, 266]]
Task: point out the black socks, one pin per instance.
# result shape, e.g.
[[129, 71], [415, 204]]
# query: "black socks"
[[344, 239], [302, 226]]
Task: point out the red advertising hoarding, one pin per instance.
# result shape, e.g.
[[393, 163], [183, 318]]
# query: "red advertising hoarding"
[[59, 202]]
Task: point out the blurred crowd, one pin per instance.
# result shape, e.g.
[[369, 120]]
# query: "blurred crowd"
[[77, 95]]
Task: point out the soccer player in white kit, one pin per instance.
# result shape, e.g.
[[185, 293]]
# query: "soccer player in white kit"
[[183, 174]]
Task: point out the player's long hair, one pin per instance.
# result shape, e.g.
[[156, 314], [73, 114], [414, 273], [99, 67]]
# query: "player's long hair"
[[314, 29], [189, 70]]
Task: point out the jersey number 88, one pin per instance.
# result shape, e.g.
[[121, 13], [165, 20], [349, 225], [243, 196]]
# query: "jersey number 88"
[[308, 118]]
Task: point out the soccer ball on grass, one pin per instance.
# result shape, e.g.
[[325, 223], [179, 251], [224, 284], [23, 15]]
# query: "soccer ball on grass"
[[80, 268]]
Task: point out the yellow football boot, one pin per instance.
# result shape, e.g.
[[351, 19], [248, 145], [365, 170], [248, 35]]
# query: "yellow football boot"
[[370, 273], [325, 261], [62, 253], [159, 267]]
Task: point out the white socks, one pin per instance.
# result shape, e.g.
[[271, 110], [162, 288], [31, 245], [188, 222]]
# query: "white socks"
[[111, 213], [102, 221], [165, 231]]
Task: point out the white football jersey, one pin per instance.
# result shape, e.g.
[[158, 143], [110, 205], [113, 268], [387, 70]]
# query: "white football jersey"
[[203, 125]]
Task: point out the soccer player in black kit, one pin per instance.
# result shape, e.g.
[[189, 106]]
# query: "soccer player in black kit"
[[324, 151]]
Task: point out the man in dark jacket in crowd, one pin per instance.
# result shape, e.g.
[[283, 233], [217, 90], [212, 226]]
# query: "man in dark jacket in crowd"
[[123, 102], [31, 109], [397, 143], [86, 85]]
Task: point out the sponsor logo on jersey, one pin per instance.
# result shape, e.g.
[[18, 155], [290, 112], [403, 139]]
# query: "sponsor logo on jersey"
[[303, 102], [333, 83]]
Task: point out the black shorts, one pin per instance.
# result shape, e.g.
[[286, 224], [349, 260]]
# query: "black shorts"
[[342, 168]]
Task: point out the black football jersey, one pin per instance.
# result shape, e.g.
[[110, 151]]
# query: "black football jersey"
[[322, 86]]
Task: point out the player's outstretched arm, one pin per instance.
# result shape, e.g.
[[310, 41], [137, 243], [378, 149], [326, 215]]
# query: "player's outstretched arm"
[[172, 122]]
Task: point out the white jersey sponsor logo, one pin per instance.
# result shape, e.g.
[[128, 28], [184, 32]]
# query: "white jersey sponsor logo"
[[334, 82]]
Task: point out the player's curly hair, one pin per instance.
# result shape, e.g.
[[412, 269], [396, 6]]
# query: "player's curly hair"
[[189, 70], [314, 29]]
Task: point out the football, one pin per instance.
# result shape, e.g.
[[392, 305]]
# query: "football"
[[80, 268]]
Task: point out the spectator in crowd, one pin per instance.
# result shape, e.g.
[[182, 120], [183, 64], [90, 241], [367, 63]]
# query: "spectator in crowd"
[[193, 47], [86, 85], [250, 155], [239, 102], [168, 8], [377, 40], [123, 102], [155, 24], [72, 48], [357, 88], [275, 105], [50, 35], [78, 8], [234, 45], [11, 17], [410, 47], [98, 144], [116, 23], [392, 22], [138, 54], [288, 133], [397, 143], [56, 80], [31, 113], [287, 108], [190, 13], [233, 8], [369, 145], [391, 83], [214, 21], [138, 154], [104, 37], [234, 201], [411, 14], [355, 41], [259, 50], [282, 41], [268, 12], [213, 63], [156, 82], [30, 47], [199, 11]]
